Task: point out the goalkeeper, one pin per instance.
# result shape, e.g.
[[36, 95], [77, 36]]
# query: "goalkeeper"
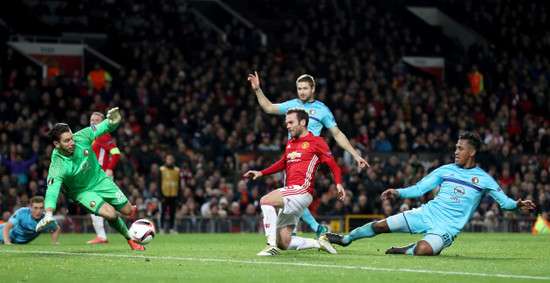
[[75, 168]]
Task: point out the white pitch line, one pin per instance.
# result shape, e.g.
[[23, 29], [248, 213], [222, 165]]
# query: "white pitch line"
[[291, 263]]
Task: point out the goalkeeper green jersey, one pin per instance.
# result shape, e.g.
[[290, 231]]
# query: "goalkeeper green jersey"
[[79, 171]]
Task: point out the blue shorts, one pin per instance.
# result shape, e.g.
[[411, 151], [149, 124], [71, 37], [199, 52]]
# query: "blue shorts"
[[417, 222]]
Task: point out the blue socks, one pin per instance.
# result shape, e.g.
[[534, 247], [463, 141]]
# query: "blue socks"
[[410, 251], [365, 231], [309, 220]]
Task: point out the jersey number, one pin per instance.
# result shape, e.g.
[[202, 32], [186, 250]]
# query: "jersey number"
[[120, 197]]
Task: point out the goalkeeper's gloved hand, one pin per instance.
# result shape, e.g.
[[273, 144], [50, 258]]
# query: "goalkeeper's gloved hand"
[[114, 116], [47, 220]]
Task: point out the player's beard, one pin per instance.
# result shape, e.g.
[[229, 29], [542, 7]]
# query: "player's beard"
[[297, 133], [66, 151]]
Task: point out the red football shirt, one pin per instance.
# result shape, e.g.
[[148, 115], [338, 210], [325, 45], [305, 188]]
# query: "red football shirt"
[[102, 147], [301, 159]]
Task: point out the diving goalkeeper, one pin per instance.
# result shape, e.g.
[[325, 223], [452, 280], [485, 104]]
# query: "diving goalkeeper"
[[75, 168]]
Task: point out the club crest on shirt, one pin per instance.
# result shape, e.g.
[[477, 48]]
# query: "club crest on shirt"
[[50, 182], [305, 145], [475, 180], [92, 203], [311, 112], [86, 152], [293, 155]]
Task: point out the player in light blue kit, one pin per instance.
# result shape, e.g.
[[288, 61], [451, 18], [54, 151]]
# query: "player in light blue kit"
[[463, 184], [319, 117], [20, 227]]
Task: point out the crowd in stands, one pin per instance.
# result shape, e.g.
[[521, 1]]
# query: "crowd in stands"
[[183, 91]]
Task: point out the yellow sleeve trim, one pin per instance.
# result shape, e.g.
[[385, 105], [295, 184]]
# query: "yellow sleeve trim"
[[114, 151]]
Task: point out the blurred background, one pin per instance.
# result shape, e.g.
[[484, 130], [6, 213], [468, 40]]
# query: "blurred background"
[[402, 78]]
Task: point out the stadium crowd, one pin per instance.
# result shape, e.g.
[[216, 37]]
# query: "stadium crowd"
[[183, 90]]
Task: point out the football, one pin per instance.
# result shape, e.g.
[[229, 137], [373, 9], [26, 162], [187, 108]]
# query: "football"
[[142, 231]]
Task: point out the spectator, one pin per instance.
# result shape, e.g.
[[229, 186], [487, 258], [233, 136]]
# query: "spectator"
[[476, 81], [381, 144], [19, 167], [98, 77]]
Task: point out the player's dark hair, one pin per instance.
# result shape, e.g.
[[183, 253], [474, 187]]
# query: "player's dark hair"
[[57, 130], [473, 140], [307, 79], [37, 199], [301, 114]]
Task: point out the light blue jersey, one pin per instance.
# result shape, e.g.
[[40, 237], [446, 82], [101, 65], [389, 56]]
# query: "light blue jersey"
[[24, 225], [459, 195], [319, 114]]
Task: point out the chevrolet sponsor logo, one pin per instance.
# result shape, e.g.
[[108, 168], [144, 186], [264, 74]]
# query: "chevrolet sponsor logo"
[[293, 155]]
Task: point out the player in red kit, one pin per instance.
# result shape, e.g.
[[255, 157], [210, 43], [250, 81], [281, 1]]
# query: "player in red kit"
[[107, 154], [304, 152]]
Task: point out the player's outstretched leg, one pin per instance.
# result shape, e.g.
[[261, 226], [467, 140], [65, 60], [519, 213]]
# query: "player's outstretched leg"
[[408, 249], [99, 227], [334, 238], [365, 231]]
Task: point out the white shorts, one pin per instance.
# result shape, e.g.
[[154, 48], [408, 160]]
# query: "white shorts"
[[296, 200]]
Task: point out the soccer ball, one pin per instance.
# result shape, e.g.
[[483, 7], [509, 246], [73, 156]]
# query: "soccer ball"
[[142, 231]]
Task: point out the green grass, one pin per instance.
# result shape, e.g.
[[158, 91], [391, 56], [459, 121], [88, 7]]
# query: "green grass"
[[231, 258]]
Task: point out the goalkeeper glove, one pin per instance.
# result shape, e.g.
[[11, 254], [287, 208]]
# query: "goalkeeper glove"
[[47, 220], [114, 116]]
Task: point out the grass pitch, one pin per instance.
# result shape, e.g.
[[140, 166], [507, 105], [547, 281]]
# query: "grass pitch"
[[231, 258]]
